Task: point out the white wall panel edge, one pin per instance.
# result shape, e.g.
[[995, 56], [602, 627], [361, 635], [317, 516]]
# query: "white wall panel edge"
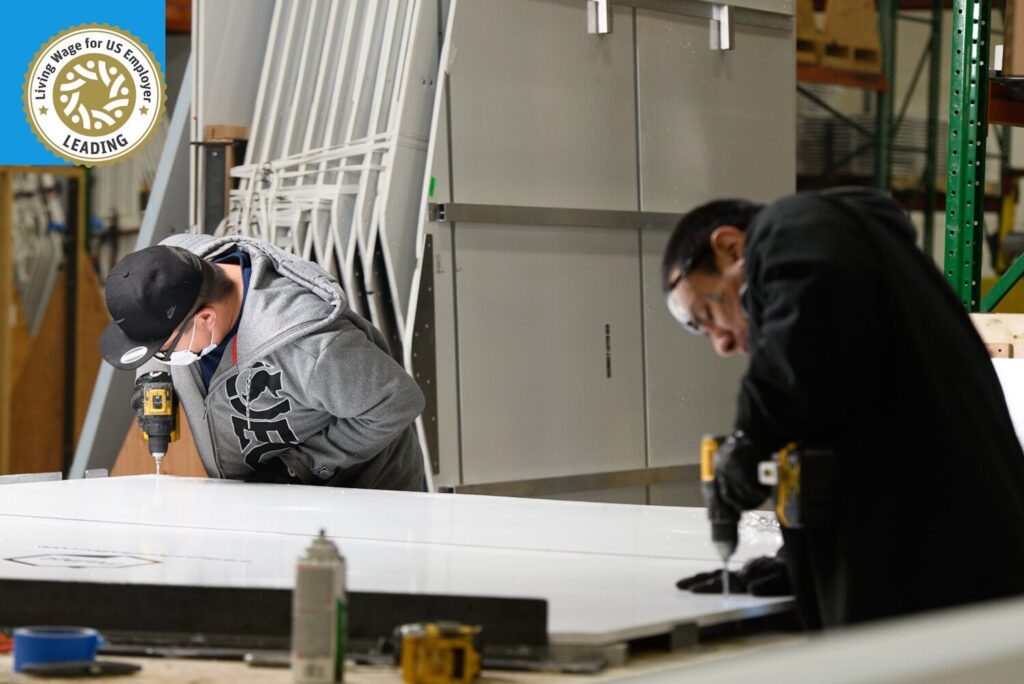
[[228, 42]]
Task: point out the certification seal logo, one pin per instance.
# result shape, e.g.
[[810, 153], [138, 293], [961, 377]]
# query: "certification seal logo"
[[94, 94]]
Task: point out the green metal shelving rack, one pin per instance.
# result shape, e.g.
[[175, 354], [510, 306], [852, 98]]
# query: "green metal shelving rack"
[[881, 139], [968, 124]]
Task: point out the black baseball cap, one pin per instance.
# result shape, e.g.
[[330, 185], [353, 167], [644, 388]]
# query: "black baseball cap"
[[149, 293]]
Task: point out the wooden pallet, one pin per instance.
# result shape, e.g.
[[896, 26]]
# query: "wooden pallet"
[[809, 50], [851, 36], [808, 38], [852, 58]]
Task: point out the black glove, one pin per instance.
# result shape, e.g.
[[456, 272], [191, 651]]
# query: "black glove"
[[736, 472], [762, 576]]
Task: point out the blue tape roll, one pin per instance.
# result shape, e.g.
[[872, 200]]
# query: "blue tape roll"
[[54, 645]]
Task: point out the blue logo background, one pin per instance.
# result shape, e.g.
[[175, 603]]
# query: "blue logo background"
[[31, 25]]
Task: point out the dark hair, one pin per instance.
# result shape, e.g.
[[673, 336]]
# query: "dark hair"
[[216, 285], [690, 244]]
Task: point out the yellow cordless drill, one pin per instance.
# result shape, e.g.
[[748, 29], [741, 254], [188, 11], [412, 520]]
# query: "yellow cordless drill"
[[156, 407]]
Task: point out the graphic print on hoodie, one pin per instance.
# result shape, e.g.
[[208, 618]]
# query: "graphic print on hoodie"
[[257, 418]]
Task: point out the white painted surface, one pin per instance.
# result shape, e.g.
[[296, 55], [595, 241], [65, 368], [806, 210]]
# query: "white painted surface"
[[607, 571], [982, 643], [550, 360], [1011, 377]]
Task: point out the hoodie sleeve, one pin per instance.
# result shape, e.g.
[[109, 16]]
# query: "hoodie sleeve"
[[372, 397]]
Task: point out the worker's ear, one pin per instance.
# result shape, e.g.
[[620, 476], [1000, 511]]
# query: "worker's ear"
[[727, 244], [205, 314]]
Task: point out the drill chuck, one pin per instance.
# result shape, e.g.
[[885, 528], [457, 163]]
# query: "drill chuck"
[[725, 538]]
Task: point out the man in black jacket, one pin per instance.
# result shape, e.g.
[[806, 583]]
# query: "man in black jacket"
[[858, 345]]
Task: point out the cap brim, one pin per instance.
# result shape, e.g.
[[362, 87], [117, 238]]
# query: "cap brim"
[[120, 351]]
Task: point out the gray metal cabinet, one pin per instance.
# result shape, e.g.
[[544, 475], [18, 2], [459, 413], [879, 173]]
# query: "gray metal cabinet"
[[550, 359], [542, 113], [539, 113], [712, 124]]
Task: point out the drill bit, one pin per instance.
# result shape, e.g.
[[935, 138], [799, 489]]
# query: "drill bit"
[[723, 517], [158, 459]]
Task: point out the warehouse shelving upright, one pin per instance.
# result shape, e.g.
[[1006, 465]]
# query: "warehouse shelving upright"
[[881, 140]]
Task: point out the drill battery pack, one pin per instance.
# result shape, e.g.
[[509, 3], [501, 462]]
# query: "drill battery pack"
[[806, 483], [438, 652]]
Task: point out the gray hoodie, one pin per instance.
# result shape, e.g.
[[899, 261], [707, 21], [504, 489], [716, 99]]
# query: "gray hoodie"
[[314, 385]]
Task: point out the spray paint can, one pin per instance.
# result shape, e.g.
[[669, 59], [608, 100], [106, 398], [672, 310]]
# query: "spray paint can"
[[319, 615]]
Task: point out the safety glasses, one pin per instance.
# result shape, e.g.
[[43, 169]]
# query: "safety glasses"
[[679, 310], [166, 355]]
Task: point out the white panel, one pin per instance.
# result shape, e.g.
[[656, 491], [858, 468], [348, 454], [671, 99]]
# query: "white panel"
[[691, 391], [230, 41], [416, 518], [607, 571], [542, 111], [537, 396], [714, 123], [980, 643], [229, 38], [1011, 377]]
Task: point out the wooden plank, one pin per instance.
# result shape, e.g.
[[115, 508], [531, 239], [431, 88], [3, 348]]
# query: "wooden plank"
[[817, 73], [20, 339], [1000, 350], [6, 300], [851, 36], [808, 37], [37, 405], [1005, 331], [36, 413], [178, 16], [1013, 41], [1007, 112], [181, 459], [224, 132], [92, 320]]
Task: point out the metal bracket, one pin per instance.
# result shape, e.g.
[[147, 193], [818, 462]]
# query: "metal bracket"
[[722, 36], [424, 354], [599, 17], [21, 478]]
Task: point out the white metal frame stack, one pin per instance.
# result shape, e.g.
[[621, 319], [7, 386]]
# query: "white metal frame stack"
[[330, 117]]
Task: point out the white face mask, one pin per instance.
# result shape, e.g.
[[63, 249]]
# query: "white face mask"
[[186, 357]]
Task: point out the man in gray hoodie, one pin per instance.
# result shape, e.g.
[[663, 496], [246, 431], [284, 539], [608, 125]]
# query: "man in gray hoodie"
[[279, 379]]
